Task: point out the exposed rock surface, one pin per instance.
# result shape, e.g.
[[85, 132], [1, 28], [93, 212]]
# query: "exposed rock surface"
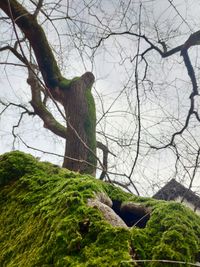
[[108, 213]]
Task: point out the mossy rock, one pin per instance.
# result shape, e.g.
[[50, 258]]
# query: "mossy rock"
[[45, 221]]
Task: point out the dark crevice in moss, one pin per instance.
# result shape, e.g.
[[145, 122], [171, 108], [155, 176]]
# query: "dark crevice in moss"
[[132, 215]]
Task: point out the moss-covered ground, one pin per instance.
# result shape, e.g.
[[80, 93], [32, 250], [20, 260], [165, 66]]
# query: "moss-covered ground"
[[45, 221]]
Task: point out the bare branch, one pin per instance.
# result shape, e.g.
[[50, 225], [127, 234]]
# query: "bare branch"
[[14, 51], [7, 105], [39, 108], [105, 151], [38, 7]]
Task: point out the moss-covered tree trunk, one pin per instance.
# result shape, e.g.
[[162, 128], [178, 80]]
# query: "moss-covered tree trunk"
[[75, 95], [81, 125]]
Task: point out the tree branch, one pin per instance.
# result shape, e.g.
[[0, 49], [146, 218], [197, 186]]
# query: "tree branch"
[[14, 51], [34, 33], [163, 54], [194, 93], [190, 71], [31, 113], [38, 7], [105, 151], [39, 108]]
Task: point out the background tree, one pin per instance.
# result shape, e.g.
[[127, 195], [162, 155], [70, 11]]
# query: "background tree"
[[145, 60]]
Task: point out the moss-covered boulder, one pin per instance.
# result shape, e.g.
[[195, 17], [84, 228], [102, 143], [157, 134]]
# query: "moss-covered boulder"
[[45, 220]]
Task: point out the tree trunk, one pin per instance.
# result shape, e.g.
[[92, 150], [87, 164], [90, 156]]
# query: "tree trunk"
[[81, 125]]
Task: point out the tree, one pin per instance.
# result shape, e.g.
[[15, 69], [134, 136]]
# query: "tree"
[[144, 54], [75, 94]]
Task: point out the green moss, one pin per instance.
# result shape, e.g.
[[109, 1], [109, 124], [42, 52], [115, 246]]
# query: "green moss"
[[14, 165], [45, 221], [64, 83], [181, 236]]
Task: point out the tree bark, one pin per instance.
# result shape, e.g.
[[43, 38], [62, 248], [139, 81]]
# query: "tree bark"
[[81, 125]]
